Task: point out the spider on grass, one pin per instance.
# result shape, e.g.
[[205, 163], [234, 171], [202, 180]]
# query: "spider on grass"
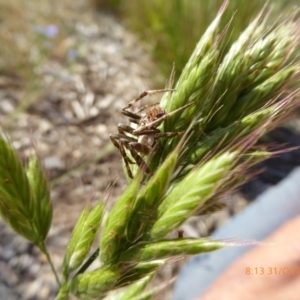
[[143, 138]]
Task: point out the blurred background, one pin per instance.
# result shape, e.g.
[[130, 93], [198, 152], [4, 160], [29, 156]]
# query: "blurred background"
[[66, 70]]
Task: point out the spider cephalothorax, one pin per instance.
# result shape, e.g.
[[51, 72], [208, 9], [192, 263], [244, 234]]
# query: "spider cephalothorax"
[[141, 138], [152, 115]]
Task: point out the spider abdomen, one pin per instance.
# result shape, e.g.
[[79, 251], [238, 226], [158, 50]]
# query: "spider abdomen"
[[148, 139]]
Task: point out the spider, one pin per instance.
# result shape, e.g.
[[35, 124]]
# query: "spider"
[[143, 138]]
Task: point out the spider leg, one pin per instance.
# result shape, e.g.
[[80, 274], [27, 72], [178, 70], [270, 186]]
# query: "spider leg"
[[114, 139], [144, 94], [161, 119], [132, 116], [167, 134], [118, 137], [147, 106], [134, 148], [119, 140], [127, 161], [141, 148], [134, 121], [147, 132], [123, 128]]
